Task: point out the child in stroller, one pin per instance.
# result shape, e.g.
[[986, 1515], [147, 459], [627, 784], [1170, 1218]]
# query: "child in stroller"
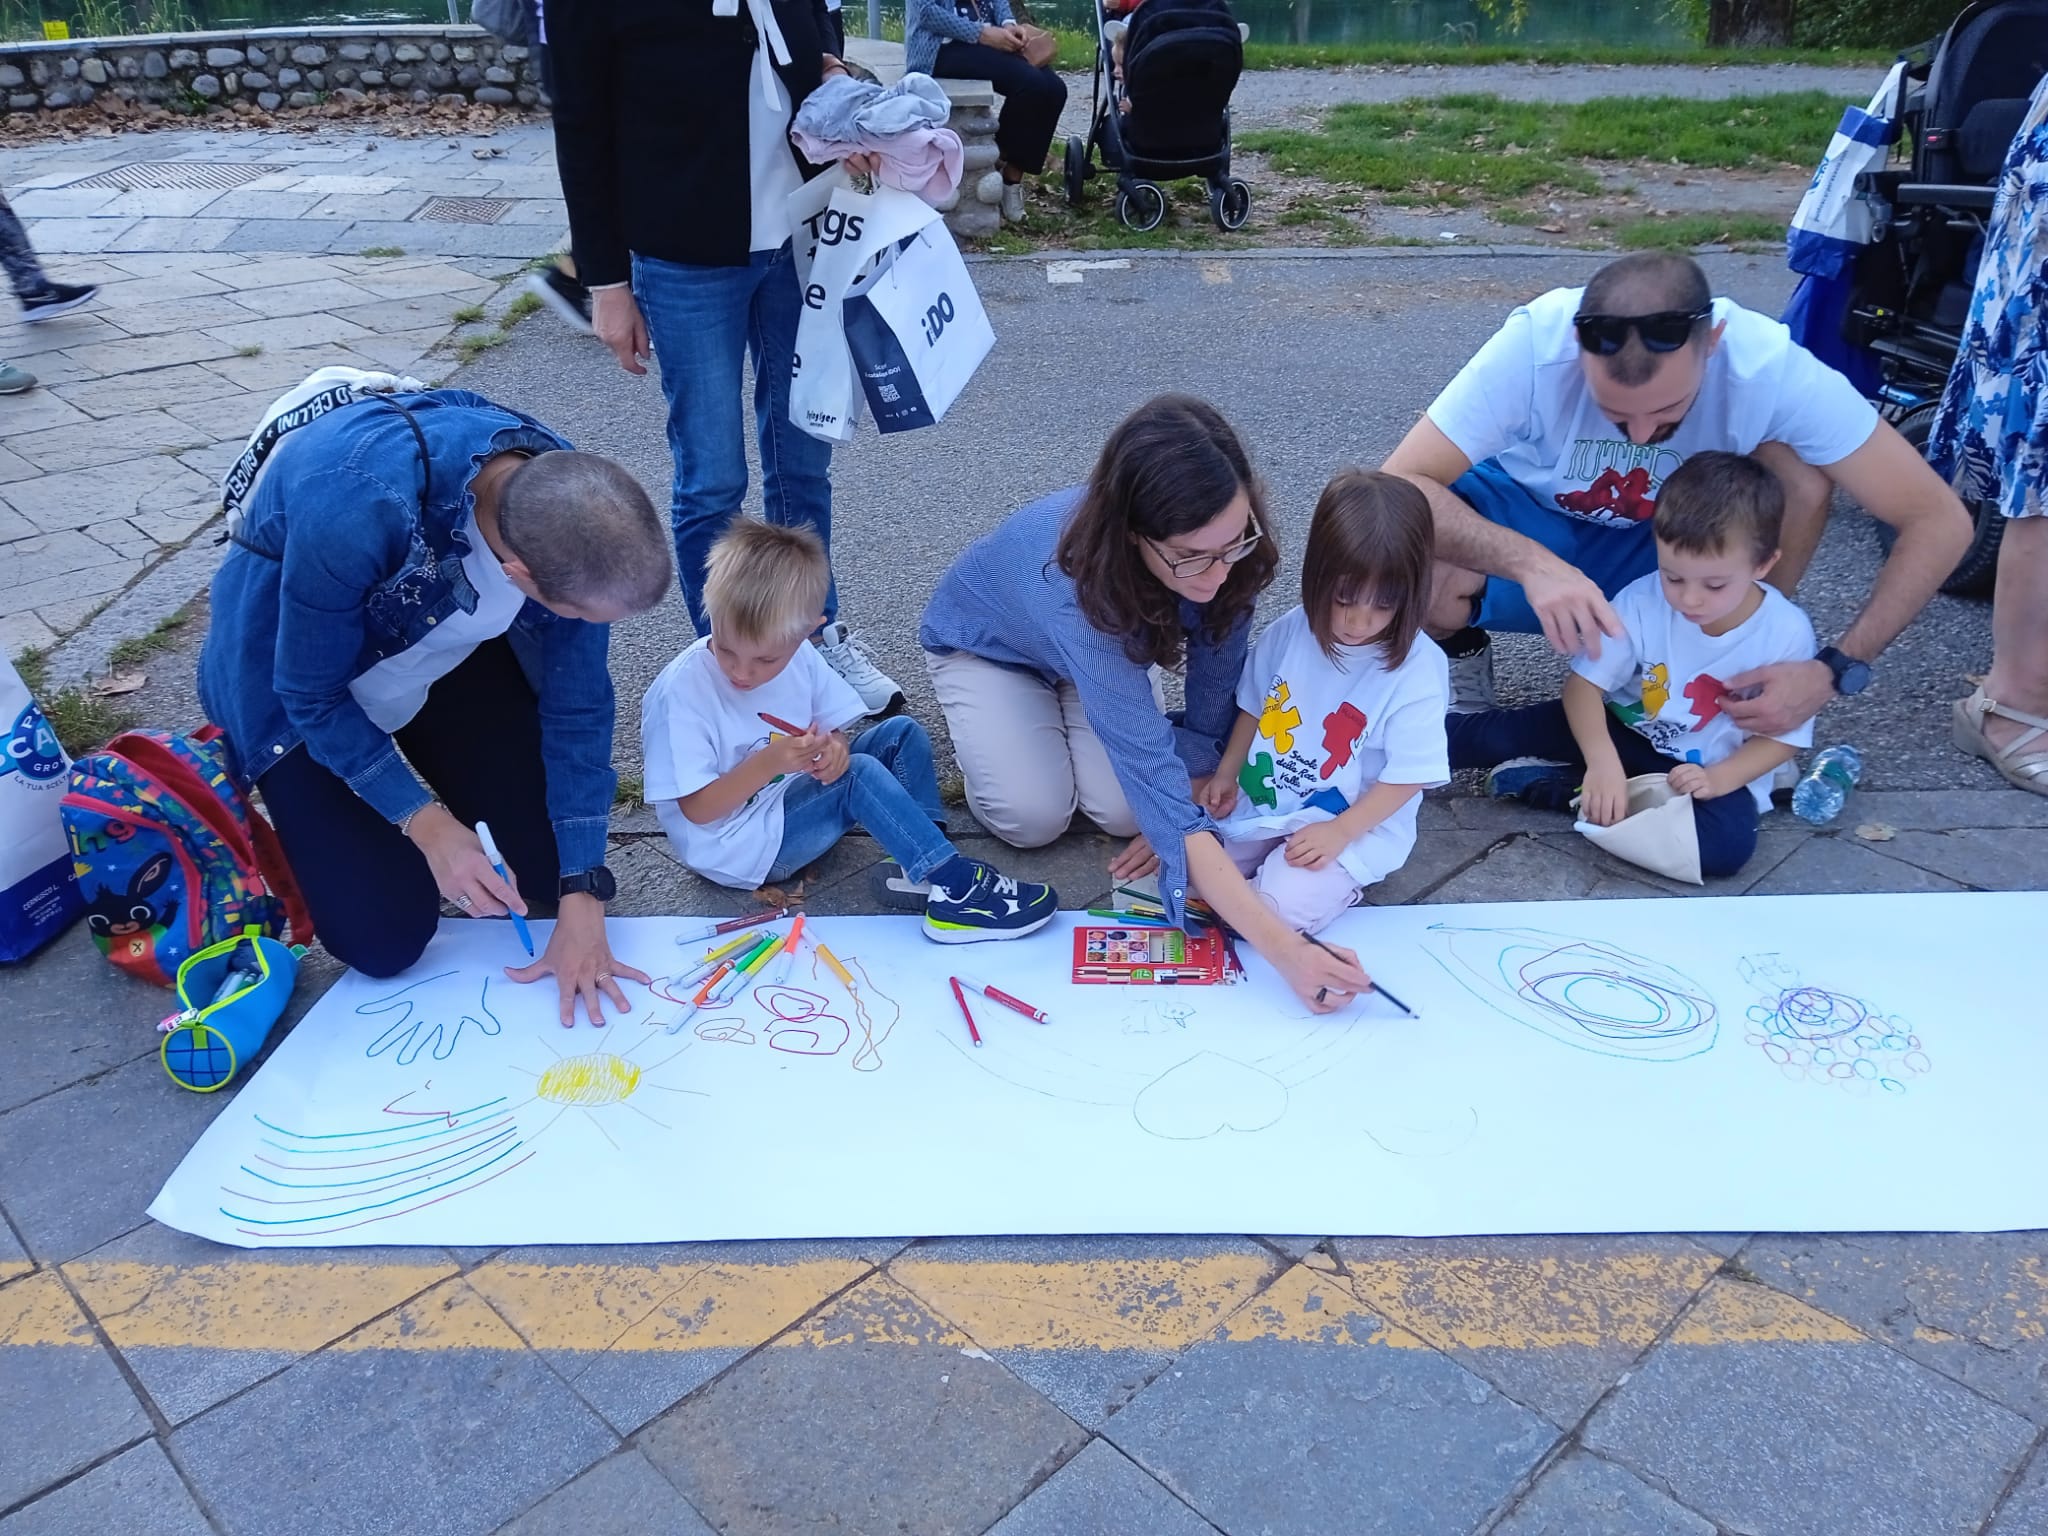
[[1164, 72]]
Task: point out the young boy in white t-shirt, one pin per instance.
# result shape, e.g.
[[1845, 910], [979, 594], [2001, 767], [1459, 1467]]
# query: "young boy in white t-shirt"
[[749, 769], [1651, 701]]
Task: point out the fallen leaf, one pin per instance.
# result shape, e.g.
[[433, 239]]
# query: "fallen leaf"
[[1551, 229], [114, 684], [1876, 832]]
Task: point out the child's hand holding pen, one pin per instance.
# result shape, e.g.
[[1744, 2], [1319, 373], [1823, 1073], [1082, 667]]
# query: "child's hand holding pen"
[[797, 752], [831, 763]]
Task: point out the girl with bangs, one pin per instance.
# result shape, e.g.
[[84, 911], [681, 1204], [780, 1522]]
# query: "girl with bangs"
[[1340, 722]]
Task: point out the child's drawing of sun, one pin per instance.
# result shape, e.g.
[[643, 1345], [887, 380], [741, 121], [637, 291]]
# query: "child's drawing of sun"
[[602, 1079]]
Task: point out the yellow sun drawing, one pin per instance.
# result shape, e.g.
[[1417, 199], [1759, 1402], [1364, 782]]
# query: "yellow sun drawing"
[[601, 1079]]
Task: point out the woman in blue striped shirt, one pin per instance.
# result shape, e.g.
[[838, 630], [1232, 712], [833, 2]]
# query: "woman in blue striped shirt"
[[1045, 641]]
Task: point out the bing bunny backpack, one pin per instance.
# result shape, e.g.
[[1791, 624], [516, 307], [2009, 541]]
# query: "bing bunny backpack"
[[170, 858]]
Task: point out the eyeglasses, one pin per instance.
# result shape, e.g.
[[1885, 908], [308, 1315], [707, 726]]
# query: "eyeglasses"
[[1196, 565], [1665, 331]]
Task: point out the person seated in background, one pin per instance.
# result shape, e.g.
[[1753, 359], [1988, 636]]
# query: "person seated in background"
[[981, 40], [1649, 702], [1545, 458]]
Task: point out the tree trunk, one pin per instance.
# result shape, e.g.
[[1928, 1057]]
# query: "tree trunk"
[[1749, 23]]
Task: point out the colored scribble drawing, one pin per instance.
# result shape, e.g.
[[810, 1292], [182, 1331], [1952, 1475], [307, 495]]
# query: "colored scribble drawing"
[[1207, 1095], [1656, 689], [1256, 780], [1705, 692], [1278, 719], [601, 1079], [1342, 730], [874, 1030], [1581, 992], [315, 1183], [725, 1032], [410, 1036], [1159, 1016], [806, 1028], [1818, 1036]]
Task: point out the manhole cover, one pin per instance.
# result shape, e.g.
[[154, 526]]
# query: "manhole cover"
[[464, 210], [176, 175]]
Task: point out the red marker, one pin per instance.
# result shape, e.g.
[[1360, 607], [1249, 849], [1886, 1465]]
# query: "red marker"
[[997, 995], [961, 998], [782, 725]]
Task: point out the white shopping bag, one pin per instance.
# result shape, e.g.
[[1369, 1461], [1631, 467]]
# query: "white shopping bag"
[[918, 333], [840, 242], [1833, 218], [1658, 833], [38, 890]]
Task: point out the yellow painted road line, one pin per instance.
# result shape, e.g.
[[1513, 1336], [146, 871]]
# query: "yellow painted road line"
[[1157, 1305]]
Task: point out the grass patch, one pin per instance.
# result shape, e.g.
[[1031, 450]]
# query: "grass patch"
[[469, 314], [520, 308], [1686, 230], [1340, 55], [629, 791], [138, 648], [249, 349], [470, 348], [1455, 149], [381, 251], [83, 722]]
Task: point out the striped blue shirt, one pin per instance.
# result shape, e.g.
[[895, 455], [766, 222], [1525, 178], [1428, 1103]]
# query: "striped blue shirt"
[[1006, 601]]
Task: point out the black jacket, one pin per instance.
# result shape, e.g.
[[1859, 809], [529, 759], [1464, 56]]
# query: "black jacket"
[[650, 109]]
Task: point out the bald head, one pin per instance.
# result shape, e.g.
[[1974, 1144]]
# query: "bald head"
[[1646, 283]]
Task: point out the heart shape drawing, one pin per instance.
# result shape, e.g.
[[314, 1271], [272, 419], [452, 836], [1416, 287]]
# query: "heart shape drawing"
[[1207, 1095]]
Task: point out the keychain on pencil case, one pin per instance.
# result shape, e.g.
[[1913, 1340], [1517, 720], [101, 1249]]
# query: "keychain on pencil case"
[[233, 994]]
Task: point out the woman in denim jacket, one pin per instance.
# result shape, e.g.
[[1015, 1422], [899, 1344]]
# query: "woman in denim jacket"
[[433, 575]]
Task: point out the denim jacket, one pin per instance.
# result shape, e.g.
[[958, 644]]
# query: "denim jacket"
[[352, 568]]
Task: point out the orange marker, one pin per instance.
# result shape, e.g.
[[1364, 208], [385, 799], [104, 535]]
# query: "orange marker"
[[704, 993]]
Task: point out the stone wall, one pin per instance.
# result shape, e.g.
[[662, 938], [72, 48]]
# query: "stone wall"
[[273, 68]]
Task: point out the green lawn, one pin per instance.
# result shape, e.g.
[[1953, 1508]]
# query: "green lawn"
[[1457, 149]]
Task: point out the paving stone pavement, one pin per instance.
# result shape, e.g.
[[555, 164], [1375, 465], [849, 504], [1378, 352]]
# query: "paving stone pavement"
[[214, 299], [1652, 1385]]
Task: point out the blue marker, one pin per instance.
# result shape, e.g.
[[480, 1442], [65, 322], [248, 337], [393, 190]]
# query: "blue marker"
[[483, 835]]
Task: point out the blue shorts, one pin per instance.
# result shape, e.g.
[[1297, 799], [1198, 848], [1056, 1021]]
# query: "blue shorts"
[[1613, 557]]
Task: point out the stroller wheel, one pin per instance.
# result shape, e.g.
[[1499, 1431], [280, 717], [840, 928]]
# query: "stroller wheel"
[[1076, 170], [1230, 204], [1142, 208]]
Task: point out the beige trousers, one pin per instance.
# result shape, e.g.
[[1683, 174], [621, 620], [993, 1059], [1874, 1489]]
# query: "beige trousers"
[[1026, 751]]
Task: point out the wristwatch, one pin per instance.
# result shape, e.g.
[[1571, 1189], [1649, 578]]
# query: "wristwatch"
[[1851, 676], [596, 882]]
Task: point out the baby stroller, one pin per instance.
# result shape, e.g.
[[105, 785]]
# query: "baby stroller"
[[1912, 284], [1169, 116]]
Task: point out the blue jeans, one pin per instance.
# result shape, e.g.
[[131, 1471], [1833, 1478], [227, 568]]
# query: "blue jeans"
[[889, 787], [704, 323], [1613, 557]]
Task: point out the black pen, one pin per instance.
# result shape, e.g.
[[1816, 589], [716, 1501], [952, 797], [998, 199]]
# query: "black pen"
[[1322, 992]]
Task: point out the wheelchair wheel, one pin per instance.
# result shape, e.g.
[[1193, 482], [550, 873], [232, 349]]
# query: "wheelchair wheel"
[[1076, 170], [1230, 204], [1142, 208], [1978, 569]]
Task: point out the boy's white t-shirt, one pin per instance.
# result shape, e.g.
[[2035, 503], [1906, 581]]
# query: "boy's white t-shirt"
[[1330, 730], [1664, 678], [1523, 400], [696, 727]]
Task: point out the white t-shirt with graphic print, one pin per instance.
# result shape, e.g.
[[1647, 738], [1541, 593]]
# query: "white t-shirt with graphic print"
[[1523, 400], [696, 727], [1664, 679], [1330, 730]]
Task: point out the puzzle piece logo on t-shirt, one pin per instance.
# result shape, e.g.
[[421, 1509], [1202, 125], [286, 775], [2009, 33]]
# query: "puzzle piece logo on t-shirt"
[[1294, 771]]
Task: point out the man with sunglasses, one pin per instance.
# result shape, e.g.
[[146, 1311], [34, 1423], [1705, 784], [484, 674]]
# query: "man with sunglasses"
[[1542, 461]]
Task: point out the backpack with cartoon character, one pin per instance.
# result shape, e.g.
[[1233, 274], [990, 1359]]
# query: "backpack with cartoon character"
[[170, 857]]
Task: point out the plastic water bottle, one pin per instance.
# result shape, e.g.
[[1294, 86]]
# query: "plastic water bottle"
[[1818, 796]]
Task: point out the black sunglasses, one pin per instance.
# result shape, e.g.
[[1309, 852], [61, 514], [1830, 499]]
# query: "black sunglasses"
[[1665, 331]]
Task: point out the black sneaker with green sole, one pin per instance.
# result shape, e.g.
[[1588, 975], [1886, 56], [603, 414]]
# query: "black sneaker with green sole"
[[993, 907]]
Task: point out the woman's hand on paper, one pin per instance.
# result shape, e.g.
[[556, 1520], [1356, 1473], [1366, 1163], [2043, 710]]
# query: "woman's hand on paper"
[[579, 957]]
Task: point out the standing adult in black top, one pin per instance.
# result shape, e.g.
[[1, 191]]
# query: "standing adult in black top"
[[672, 138]]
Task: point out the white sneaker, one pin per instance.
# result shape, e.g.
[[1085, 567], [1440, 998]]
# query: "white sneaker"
[[1470, 652], [1013, 202], [843, 654]]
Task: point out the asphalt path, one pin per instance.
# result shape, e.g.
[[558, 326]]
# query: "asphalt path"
[[1321, 359]]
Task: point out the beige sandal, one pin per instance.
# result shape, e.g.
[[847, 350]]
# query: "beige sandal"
[[2028, 770]]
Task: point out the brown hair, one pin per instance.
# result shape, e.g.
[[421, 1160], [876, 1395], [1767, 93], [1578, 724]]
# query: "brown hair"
[[764, 582], [1373, 538], [586, 530], [1713, 499], [1168, 469]]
